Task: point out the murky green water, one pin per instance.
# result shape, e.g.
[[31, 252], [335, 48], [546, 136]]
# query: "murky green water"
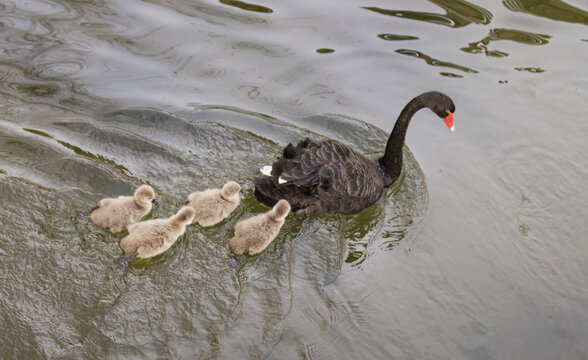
[[479, 251]]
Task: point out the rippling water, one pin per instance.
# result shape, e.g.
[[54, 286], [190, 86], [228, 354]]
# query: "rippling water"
[[479, 255]]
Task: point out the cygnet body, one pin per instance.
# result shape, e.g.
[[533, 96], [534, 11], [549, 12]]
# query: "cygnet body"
[[116, 214], [214, 205], [253, 235], [153, 237]]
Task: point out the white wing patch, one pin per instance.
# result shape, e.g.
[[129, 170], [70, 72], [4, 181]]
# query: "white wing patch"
[[267, 170]]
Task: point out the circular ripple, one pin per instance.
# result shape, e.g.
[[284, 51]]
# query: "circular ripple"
[[58, 70]]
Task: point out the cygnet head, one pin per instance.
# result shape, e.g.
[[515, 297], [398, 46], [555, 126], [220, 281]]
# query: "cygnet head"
[[186, 214], [280, 210], [230, 190], [144, 194]]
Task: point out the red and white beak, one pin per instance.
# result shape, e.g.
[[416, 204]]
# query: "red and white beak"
[[449, 121]]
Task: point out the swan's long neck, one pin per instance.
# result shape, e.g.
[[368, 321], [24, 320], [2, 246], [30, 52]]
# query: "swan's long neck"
[[391, 162]]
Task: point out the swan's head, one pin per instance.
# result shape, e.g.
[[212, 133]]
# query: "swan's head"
[[144, 194], [230, 190], [442, 105], [280, 210], [185, 215]]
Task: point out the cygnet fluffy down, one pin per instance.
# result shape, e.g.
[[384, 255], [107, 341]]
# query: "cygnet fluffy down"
[[116, 214], [253, 235], [214, 205], [153, 237]]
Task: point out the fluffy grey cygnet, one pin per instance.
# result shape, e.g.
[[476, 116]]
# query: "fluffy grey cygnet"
[[253, 235], [116, 214], [214, 205], [153, 237]]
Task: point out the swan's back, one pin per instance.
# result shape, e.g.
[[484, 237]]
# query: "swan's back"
[[323, 177]]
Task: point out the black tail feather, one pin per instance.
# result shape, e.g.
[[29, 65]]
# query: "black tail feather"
[[289, 151], [265, 190]]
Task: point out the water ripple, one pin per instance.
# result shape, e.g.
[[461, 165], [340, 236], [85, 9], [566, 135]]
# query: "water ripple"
[[519, 36], [395, 37], [523, 37], [531, 212], [59, 69], [552, 9], [534, 70], [273, 51], [459, 13], [247, 6], [40, 90], [210, 12], [434, 62], [325, 51], [212, 73]]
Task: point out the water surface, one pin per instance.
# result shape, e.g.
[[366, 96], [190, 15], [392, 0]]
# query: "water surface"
[[477, 252]]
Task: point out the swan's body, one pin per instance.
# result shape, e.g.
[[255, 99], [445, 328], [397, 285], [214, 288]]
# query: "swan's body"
[[331, 177], [253, 235], [116, 214], [214, 205], [153, 237]]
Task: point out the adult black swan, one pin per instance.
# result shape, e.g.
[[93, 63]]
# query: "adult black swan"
[[330, 177]]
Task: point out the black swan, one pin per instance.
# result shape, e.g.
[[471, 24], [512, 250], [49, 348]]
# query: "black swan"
[[330, 177]]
